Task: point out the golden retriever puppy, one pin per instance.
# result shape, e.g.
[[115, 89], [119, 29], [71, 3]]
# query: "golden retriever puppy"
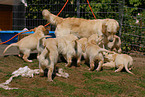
[[48, 57], [99, 41], [28, 43], [81, 44], [91, 51], [41, 44], [82, 27], [104, 43], [120, 61], [115, 45], [66, 47]]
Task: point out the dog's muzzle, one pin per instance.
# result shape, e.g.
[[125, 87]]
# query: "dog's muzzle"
[[111, 40]]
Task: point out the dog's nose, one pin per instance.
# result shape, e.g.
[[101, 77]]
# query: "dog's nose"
[[111, 40]]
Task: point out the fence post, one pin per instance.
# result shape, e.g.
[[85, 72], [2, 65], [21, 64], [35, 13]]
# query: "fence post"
[[78, 8], [121, 14]]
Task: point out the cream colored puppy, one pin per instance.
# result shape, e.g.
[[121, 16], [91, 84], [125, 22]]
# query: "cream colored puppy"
[[120, 61], [81, 44], [82, 27], [41, 44], [28, 43], [99, 41], [104, 43], [48, 57], [115, 45], [91, 51], [66, 47]]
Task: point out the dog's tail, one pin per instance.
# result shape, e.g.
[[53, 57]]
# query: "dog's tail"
[[104, 50], [126, 68], [53, 19], [13, 44], [40, 43]]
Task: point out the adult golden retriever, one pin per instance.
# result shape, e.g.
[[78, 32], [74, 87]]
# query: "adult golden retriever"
[[82, 27]]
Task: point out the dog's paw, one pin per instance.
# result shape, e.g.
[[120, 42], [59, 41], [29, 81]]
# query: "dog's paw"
[[90, 69], [129, 69], [97, 70], [67, 65], [115, 71], [78, 65], [50, 80], [30, 61]]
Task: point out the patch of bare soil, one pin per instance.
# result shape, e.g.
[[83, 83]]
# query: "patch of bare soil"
[[77, 78]]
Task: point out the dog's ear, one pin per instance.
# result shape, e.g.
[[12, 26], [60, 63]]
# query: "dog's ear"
[[76, 44], [43, 28], [48, 51], [114, 56], [118, 26], [104, 26], [56, 42], [93, 42]]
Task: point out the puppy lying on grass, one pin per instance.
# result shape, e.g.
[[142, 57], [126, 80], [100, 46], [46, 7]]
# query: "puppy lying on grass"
[[28, 43], [120, 61], [91, 51], [48, 57], [66, 47]]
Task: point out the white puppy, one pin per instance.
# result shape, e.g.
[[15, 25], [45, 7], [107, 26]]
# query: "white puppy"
[[28, 43]]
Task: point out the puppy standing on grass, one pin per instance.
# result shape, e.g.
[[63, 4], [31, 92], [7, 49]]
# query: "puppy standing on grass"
[[92, 52], [66, 47], [120, 61], [48, 57], [28, 43]]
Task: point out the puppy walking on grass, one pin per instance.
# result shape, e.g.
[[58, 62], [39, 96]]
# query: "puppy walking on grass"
[[28, 43]]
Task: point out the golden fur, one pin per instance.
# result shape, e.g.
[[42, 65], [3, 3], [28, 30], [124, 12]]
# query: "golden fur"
[[28, 43], [41, 44], [104, 43], [91, 51], [48, 57], [115, 45], [99, 41], [66, 47], [120, 61], [82, 27]]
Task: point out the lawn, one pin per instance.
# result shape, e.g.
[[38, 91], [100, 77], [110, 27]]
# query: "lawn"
[[81, 81]]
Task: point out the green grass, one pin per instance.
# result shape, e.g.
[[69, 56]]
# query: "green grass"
[[81, 83], [68, 88]]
